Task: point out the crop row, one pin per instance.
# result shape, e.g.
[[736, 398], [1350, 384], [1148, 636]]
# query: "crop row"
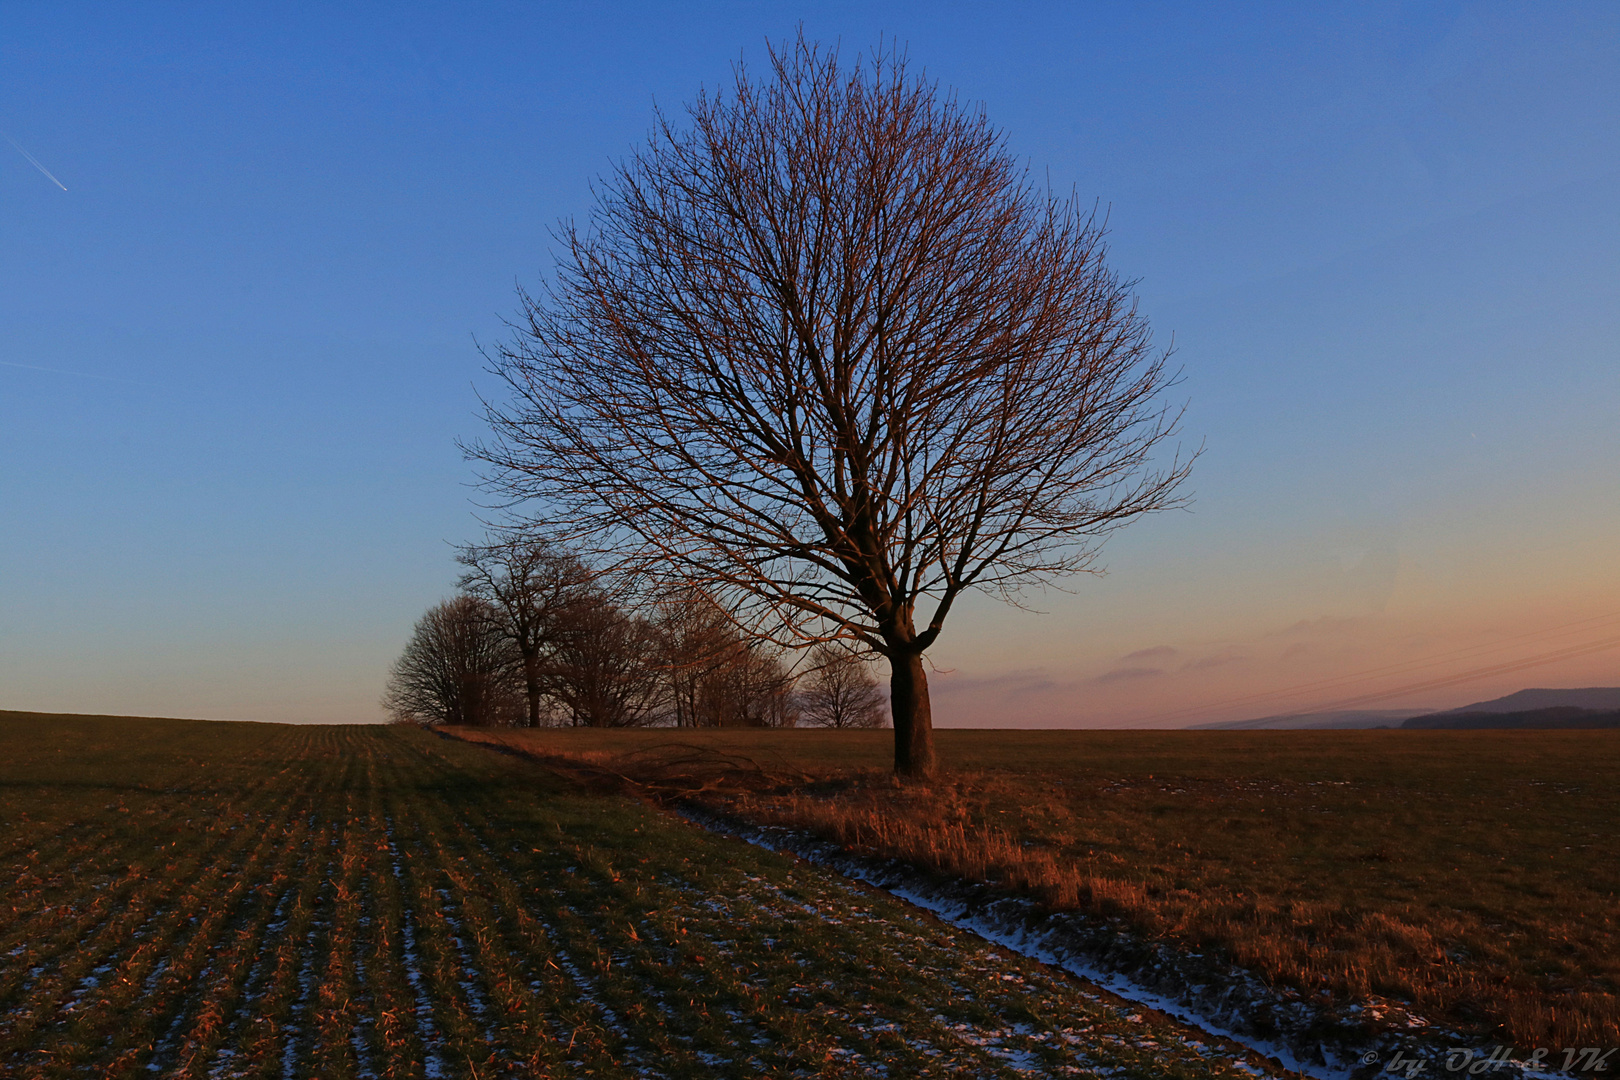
[[255, 901]]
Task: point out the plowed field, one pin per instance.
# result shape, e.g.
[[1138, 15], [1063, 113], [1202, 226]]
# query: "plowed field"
[[235, 900]]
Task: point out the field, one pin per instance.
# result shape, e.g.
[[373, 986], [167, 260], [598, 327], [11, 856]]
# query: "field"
[[192, 899], [1475, 875]]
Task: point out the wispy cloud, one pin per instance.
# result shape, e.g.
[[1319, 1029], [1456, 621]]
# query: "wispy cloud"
[[1204, 663], [1129, 674], [1157, 652], [35, 163], [1326, 624], [1012, 684]]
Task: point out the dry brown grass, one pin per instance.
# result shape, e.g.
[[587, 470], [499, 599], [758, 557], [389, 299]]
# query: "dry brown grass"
[[1473, 874]]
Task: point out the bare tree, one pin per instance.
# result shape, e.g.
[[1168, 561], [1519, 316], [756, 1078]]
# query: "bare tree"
[[602, 668], [753, 689], [695, 640], [831, 352], [458, 668], [839, 692], [713, 674], [532, 583]]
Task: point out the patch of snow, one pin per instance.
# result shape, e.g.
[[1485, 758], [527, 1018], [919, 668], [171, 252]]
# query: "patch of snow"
[[1019, 926], [432, 1062]]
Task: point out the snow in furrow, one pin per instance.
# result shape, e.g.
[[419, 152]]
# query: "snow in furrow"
[[432, 1063], [476, 1003], [861, 1018], [1021, 943], [366, 1069], [166, 1042], [587, 986]]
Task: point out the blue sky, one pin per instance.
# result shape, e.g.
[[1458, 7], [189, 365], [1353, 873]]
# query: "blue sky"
[[1381, 236]]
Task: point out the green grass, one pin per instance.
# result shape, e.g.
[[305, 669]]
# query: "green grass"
[[206, 899], [1473, 874]]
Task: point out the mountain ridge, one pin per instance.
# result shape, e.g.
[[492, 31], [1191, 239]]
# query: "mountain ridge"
[[1525, 704], [1601, 698], [1554, 718]]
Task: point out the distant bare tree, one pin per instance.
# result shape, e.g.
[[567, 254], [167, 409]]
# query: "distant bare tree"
[[458, 668], [831, 352], [839, 692], [532, 584], [753, 689], [695, 638], [714, 675], [602, 669]]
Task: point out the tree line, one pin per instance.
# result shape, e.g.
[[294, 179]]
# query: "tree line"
[[532, 638]]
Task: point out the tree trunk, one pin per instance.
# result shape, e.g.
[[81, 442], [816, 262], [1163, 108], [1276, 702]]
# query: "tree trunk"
[[532, 688], [913, 721], [532, 685]]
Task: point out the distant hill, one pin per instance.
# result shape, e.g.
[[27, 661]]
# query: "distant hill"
[[1555, 718], [1342, 720], [1526, 706], [1600, 698]]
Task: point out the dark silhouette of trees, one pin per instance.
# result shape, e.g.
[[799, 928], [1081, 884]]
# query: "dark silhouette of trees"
[[458, 668], [839, 692], [603, 669], [532, 585], [532, 640], [830, 352]]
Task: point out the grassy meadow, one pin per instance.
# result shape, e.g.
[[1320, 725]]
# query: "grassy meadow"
[[1474, 874], [191, 899]]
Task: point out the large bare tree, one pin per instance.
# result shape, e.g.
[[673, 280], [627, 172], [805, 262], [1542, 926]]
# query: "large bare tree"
[[532, 584], [602, 666], [458, 668], [828, 349]]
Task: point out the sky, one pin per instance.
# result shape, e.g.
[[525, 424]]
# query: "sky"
[[237, 351]]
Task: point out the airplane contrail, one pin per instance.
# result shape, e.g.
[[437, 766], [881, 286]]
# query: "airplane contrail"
[[35, 162]]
